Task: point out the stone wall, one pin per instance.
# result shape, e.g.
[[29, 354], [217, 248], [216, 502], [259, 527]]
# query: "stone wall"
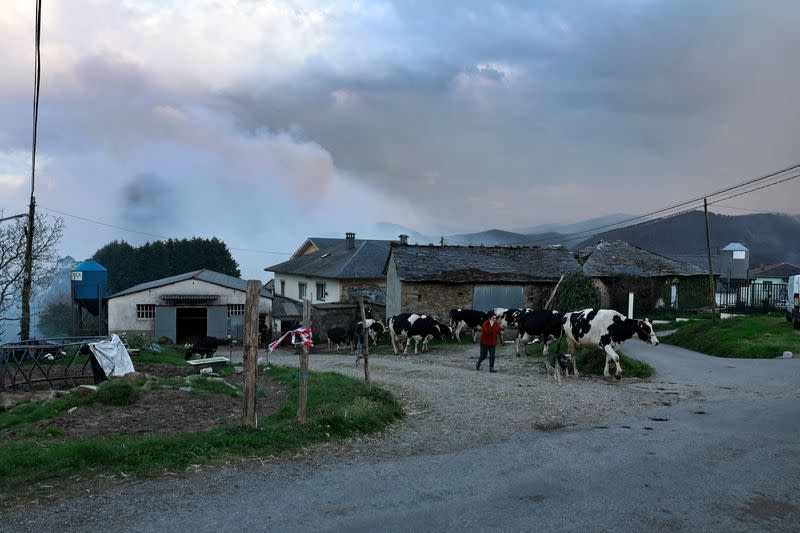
[[373, 290], [437, 299]]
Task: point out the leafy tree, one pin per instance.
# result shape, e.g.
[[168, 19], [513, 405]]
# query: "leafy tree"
[[576, 292], [128, 266], [56, 319]]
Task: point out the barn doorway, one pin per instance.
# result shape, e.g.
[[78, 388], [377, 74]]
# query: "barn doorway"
[[487, 297], [191, 323]]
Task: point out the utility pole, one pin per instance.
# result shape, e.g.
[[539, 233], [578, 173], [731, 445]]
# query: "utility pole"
[[302, 402], [711, 289], [27, 269], [251, 305], [366, 342]]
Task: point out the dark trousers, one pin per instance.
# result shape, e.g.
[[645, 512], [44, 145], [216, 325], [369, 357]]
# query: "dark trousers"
[[486, 348]]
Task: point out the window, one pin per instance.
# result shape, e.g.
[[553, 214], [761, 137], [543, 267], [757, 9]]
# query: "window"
[[321, 292], [283, 287], [301, 290], [235, 309], [738, 254], [145, 311]]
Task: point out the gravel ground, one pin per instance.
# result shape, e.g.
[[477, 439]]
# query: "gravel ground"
[[450, 406]]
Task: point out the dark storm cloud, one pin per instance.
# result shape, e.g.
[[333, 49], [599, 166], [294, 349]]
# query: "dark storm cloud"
[[148, 201]]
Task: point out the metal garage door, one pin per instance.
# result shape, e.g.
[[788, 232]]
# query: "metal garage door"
[[165, 323], [487, 297], [217, 325]]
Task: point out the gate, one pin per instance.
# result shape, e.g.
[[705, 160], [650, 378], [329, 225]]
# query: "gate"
[[487, 297], [752, 297]]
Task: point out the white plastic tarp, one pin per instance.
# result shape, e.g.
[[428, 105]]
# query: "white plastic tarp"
[[112, 356]]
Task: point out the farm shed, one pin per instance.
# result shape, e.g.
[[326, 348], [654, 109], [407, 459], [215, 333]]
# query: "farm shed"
[[184, 307], [618, 267], [435, 279]]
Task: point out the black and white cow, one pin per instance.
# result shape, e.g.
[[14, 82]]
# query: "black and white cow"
[[542, 324], [375, 329], [606, 329], [407, 326], [338, 336], [508, 318], [466, 318]]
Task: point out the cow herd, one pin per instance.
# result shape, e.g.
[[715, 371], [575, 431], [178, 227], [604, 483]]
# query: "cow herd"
[[596, 328]]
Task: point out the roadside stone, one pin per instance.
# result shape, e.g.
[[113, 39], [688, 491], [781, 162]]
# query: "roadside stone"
[[149, 384], [7, 403], [193, 377], [185, 389], [238, 369], [87, 390], [150, 377], [133, 376], [72, 410], [787, 355]]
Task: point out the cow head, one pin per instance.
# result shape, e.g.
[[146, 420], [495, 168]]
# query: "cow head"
[[644, 329], [445, 332]]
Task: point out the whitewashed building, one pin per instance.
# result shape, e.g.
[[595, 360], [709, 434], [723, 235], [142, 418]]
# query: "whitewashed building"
[[185, 307]]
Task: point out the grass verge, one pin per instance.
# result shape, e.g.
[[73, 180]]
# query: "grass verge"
[[593, 361], [756, 336], [338, 406]]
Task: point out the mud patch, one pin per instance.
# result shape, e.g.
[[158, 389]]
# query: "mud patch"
[[766, 508]]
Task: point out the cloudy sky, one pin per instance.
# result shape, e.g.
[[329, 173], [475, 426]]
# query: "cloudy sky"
[[264, 122]]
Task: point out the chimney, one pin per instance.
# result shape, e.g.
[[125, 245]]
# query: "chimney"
[[349, 240], [404, 239]]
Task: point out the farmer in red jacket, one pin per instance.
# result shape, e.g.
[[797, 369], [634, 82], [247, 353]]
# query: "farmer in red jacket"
[[490, 329]]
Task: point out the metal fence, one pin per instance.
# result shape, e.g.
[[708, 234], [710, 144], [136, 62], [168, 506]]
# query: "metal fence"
[[45, 362], [753, 297]]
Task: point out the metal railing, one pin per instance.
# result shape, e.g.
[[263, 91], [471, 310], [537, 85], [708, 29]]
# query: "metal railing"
[[752, 297], [45, 361]]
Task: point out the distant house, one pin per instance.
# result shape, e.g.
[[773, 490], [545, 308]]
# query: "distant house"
[[435, 279], [185, 307], [333, 274], [734, 262], [776, 274], [657, 281]]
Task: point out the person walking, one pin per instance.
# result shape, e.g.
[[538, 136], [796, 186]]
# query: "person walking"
[[490, 329]]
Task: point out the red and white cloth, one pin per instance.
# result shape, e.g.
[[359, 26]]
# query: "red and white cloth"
[[300, 336]]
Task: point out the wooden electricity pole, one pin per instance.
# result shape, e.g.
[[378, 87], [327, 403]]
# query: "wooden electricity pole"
[[302, 404], [711, 289], [251, 304], [366, 342]]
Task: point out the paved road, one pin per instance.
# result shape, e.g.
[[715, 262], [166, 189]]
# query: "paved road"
[[724, 458]]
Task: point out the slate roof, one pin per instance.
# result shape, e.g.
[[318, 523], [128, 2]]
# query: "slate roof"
[[618, 258], [735, 246], [206, 275], [364, 261], [780, 270], [698, 260], [478, 264]]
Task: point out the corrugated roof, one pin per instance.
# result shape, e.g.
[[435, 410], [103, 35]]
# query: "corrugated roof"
[[283, 307], [209, 276], [619, 258], [780, 270], [477, 264], [336, 261], [735, 246]]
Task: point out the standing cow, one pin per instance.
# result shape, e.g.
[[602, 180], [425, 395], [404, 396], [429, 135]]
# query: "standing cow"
[[461, 319], [407, 326], [606, 329], [356, 332], [337, 336], [542, 324]]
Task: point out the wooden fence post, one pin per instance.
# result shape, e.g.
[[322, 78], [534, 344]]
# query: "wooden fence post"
[[251, 304], [366, 343], [303, 402]]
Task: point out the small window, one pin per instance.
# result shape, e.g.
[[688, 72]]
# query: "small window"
[[283, 287], [738, 254], [301, 290], [145, 311], [321, 292], [235, 309]]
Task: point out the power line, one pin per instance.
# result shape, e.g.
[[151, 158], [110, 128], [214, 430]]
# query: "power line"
[[147, 234], [593, 231]]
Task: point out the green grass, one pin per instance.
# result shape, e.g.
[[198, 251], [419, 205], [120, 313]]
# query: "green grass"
[[169, 354], [593, 361], [29, 412], [338, 406], [755, 336]]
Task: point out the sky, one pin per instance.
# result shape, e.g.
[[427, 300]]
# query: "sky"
[[263, 123]]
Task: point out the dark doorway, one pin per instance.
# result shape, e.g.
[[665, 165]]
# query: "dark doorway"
[[191, 324]]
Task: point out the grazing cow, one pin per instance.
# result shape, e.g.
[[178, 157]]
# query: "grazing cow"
[[556, 362], [466, 318], [606, 329], [337, 336], [206, 347], [542, 324], [407, 326], [356, 332]]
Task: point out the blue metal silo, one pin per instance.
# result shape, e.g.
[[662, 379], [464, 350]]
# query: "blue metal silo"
[[89, 285]]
